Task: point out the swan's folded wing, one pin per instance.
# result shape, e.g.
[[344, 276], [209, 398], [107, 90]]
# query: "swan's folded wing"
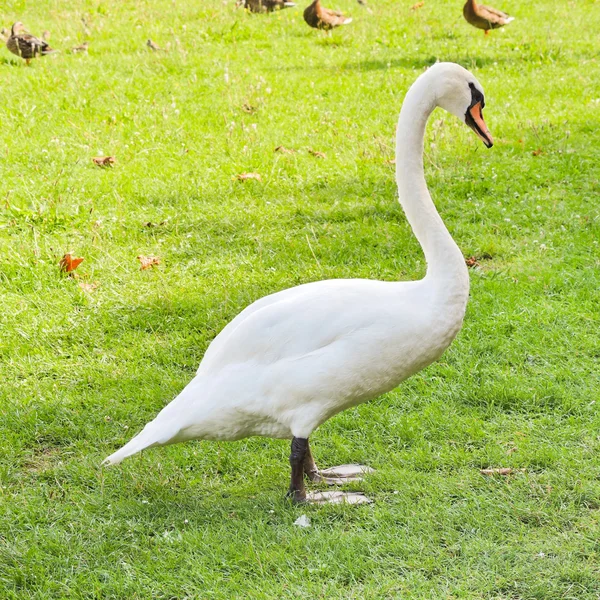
[[297, 322]]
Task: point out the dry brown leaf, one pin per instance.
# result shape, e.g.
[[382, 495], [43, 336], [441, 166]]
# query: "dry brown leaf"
[[501, 471], [80, 49], [417, 6], [146, 262], [316, 153], [248, 108], [246, 176], [88, 287], [392, 161], [471, 262], [104, 161], [284, 150], [69, 263], [537, 152], [154, 46]]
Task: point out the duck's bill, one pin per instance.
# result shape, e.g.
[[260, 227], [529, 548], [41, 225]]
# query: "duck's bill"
[[474, 119]]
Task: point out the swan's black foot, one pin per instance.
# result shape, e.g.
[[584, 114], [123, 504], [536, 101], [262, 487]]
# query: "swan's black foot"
[[301, 455], [337, 498], [341, 475], [297, 496]]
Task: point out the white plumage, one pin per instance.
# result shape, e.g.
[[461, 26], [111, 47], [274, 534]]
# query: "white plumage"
[[292, 360]]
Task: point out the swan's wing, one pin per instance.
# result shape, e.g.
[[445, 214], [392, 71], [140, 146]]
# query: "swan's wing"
[[292, 360], [298, 321], [222, 337]]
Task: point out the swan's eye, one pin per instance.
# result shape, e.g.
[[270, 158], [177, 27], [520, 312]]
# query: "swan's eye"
[[476, 96]]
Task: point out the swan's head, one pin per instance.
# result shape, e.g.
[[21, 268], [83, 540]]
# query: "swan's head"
[[458, 92]]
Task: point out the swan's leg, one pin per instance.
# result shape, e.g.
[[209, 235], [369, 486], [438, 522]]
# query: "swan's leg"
[[297, 491], [310, 467], [333, 475], [302, 461]]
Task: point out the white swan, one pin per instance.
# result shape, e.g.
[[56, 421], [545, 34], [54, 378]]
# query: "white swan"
[[292, 360]]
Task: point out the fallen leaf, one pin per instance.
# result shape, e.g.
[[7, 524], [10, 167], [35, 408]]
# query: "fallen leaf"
[[302, 521], [246, 176], [88, 287], [248, 108], [146, 262], [80, 49], [104, 161], [284, 150], [502, 471], [471, 262], [316, 153], [392, 161], [417, 6], [154, 46], [537, 152], [68, 263]]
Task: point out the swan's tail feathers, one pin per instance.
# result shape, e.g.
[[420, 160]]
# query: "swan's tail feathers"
[[151, 435]]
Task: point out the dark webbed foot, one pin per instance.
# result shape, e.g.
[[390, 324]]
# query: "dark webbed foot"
[[302, 462], [335, 497], [343, 474]]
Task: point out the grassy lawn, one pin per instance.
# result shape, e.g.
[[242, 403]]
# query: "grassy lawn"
[[84, 369]]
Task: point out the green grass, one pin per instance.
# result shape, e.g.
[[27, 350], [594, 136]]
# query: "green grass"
[[82, 371]]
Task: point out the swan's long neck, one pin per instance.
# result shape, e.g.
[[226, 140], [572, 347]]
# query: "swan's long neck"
[[446, 267]]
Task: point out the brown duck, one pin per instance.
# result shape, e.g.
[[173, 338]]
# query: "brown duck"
[[324, 18], [25, 45], [484, 17], [261, 6]]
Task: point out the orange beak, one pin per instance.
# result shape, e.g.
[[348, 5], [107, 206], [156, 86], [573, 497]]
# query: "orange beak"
[[474, 119]]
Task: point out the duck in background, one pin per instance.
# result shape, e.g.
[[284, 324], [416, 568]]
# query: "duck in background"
[[25, 45], [319, 17], [485, 17]]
